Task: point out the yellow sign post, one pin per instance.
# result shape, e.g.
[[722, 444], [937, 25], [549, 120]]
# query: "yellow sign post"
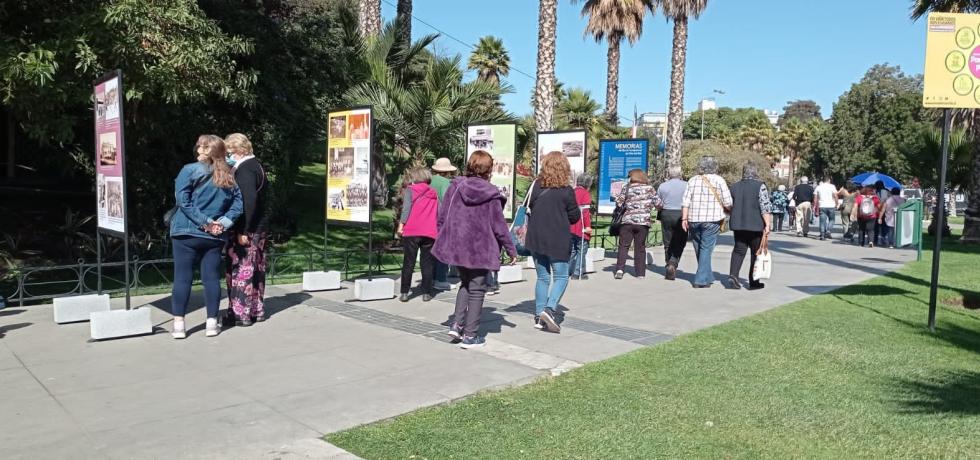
[[952, 71]]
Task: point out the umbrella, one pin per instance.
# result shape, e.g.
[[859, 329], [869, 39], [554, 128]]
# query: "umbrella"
[[871, 178]]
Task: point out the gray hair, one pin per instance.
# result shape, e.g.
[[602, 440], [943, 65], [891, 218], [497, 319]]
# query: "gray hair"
[[708, 165], [584, 181], [674, 172], [750, 171]]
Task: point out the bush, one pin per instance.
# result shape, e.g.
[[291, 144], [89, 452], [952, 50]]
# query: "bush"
[[730, 160]]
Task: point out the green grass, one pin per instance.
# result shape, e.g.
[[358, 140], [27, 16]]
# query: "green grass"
[[848, 374], [957, 220]]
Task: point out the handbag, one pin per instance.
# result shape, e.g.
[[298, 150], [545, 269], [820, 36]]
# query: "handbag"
[[169, 215], [618, 213], [723, 225], [762, 270], [518, 228]]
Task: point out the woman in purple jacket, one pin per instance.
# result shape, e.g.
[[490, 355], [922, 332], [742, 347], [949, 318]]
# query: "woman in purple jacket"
[[472, 231]]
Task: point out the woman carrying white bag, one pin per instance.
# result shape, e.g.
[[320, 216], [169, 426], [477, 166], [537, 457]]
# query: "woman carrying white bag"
[[750, 221]]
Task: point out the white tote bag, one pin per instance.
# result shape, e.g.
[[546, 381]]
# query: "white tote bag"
[[763, 262]]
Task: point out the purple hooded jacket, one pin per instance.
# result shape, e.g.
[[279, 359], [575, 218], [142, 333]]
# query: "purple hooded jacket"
[[472, 229]]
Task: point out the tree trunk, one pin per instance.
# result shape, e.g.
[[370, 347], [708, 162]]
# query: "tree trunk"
[[675, 117], [971, 227], [792, 169], [612, 81], [404, 16], [544, 88], [11, 145], [369, 18]]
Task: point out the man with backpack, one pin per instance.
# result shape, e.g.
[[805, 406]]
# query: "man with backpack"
[[865, 213]]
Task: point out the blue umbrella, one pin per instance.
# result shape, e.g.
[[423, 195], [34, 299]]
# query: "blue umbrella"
[[871, 178]]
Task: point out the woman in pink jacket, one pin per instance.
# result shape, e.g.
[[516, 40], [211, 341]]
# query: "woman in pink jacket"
[[417, 228]]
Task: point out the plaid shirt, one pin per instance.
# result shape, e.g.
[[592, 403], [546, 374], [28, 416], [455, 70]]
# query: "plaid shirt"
[[700, 202]]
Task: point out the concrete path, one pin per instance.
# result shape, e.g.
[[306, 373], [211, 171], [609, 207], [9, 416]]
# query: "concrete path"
[[323, 363]]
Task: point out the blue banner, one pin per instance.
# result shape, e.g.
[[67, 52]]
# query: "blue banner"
[[617, 157]]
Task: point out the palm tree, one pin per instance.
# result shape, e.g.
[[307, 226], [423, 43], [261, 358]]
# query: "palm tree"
[[544, 86], [576, 109], [796, 140], [614, 20], [960, 164], [404, 15], [369, 17], [421, 112], [971, 228], [678, 11], [490, 60]]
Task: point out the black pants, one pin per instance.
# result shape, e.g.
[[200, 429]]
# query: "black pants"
[[412, 245], [635, 235], [469, 299], [675, 237], [188, 252], [879, 233], [866, 228], [745, 241], [778, 218]]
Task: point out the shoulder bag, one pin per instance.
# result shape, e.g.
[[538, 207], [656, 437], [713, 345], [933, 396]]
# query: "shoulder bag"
[[618, 213], [169, 215], [723, 225], [518, 228]]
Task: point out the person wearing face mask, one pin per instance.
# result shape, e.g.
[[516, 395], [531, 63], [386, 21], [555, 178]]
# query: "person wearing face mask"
[[245, 270], [208, 203]]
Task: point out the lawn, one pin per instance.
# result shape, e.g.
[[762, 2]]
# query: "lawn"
[[848, 374]]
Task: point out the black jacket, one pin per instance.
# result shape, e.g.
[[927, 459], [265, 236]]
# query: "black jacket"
[[252, 181], [553, 210]]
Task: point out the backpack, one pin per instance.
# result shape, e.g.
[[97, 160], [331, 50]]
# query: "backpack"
[[867, 208]]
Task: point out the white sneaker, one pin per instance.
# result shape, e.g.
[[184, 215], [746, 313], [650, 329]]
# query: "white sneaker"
[[211, 328], [442, 285], [179, 330]]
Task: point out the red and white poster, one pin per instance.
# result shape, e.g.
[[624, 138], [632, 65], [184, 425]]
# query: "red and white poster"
[[110, 181]]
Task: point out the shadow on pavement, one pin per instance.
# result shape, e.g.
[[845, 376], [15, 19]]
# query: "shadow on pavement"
[[11, 327]]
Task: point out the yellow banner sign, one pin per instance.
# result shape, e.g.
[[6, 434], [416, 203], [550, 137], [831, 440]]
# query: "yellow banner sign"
[[952, 72]]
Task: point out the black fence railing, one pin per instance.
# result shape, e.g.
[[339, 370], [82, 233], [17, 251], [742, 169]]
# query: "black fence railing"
[[30, 285]]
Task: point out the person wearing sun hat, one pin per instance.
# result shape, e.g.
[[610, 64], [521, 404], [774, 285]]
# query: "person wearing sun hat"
[[442, 173]]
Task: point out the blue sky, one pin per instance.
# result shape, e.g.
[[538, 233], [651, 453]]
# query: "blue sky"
[[761, 53]]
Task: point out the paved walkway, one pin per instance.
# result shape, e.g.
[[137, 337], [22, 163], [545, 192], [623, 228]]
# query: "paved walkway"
[[323, 363]]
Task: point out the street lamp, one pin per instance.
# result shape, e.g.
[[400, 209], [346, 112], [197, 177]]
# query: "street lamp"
[[701, 106]]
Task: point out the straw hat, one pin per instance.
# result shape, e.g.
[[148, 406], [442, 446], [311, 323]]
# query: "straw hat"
[[443, 165]]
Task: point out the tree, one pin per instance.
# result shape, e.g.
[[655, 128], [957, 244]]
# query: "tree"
[[404, 15], [614, 20], [960, 164], [875, 125], [421, 116], [971, 228], [795, 140], [369, 17], [678, 11], [724, 123], [490, 60], [800, 109], [544, 85], [577, 109], [730, 160]]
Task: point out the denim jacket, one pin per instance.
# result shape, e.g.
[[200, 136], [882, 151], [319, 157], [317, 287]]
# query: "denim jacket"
[[206, 204]]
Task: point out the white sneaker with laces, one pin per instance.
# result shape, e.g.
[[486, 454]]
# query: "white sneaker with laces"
[[179, 331], [211, 328]]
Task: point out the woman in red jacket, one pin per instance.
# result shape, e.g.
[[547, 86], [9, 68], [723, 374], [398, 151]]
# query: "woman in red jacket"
[[581, 230]]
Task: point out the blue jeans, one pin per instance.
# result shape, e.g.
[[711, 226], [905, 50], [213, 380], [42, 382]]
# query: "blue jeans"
[[552, 281], [580, 250], [188, 252], [442, 272], [826, 221], [705, 236], [887, 235]]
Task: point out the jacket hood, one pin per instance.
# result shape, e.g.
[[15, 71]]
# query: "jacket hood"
[[475, 191], [422, 190]]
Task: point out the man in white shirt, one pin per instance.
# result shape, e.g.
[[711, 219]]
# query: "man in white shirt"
[[826, 200]]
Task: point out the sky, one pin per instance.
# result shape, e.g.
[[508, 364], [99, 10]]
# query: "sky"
[[760, 53]]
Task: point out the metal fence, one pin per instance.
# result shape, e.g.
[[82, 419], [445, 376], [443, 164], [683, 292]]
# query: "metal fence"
[[35, 284]]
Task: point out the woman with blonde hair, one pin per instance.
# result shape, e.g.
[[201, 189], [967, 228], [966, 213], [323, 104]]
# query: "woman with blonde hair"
[[208, 202], [638, 199], [551, 210], [417, 228], [245, 271]]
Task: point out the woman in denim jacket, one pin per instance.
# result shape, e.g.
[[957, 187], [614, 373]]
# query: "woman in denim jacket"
[[208, 202]]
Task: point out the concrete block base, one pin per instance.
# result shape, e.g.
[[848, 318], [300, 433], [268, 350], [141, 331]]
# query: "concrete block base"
[[589, 265], [121, 323], [529, 263], [376, 289], [596, 254], [78, 308], [510, 274], [653, 257], [321, 281]]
